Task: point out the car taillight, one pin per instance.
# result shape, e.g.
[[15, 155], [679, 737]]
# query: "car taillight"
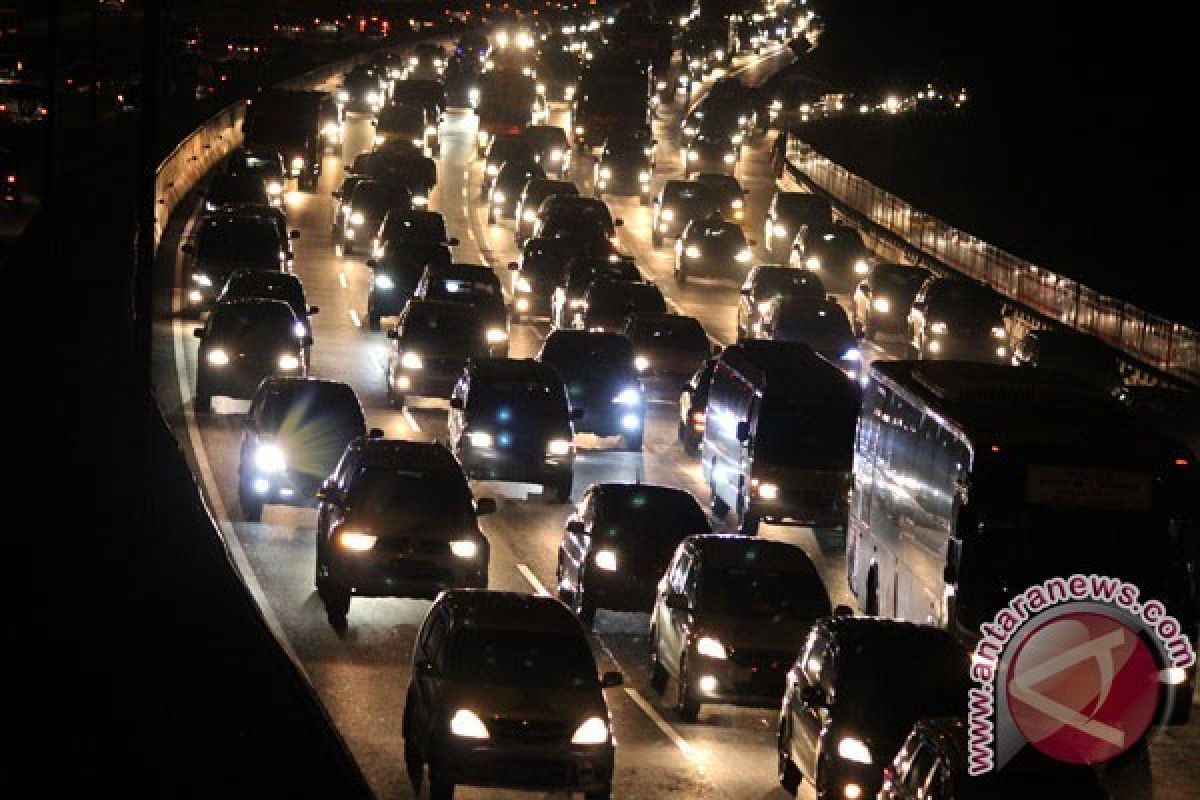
[[11, 178]]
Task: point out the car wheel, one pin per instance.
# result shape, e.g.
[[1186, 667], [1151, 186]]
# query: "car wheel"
[[749, 524], [440, 789], [414, 765], [252, 507], [681, 277], [585, 606], [562, 489], [686, 703], [658, 673], [633, 442], [336, 597], [491, 217], [373, 320], [656, 239], [203, 402], [600, 794], [719, 507], [789, 776]]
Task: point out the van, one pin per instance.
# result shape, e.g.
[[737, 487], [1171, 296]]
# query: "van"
[[778, 438]]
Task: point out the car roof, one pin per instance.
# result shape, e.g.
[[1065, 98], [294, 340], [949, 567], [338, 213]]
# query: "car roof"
[[888, 632], [488, 609], [405, 453], [622, 488], [733, 550], [511, 369], [265, 277]]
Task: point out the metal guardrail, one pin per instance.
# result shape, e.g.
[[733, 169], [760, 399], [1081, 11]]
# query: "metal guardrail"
[[1159, 351]]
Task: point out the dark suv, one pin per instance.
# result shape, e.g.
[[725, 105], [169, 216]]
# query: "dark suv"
[[958, 319], [396, 519], [601, 381], [432, 343], [509, 421], [472, 285], [504, 693], [296, 432], [244, 341], [767, 284]]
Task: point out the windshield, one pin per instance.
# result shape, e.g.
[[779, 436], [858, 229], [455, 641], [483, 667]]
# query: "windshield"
[[573, 351], [689, 195], [443, 331], [967, 303], [314, 423], [530, 401], [931, 680], [805, 436], [244, 244], [242, 321], [430, 229], [653, 520], [407, 500], [683, 334], [788, 281], [902, 281], [465, 289], [838, 238], [807, 204], [763, 595], [522, 659], [249, 286]]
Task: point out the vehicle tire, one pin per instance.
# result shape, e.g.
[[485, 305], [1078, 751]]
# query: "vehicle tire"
[[681, 277], [719, 507], [491, 216], [789, 776], [336, 597], [656, 239], [440, 789], [633, 442], [869, 332], [562, 489], [658, 673], [585, 607], [600, 794], [252, 507], [644, 200], [373, 320], [347, 248], [203, 402], [687, 706], [414, 765], [749, 524], [871, 607]]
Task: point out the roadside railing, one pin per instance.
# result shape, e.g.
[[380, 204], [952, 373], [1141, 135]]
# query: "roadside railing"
[[1158, 350]]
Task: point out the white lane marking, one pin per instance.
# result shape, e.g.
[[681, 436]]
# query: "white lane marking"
[[354, 318], [410, 420], [527, 573], [689, 752], [342, 280], [208, 482]]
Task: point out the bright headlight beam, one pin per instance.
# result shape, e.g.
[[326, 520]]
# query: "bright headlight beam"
[[711, 648], [592, 730]]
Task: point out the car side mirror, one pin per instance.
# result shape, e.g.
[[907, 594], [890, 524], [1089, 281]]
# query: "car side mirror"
[[919, 305], [743, 431], [717, 350], [843, 610], [618, 222], [513, 266], [576, 414], [576, 527], [611, 680], [456, 403], [393, 333], [187, 248], [198, 333], [375, 433], [813, 697], [677, 601], [452, 241], [313, 310], [372, 262], [484, 506]]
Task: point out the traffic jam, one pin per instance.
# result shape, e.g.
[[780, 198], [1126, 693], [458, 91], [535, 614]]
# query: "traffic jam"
[[547, 411]]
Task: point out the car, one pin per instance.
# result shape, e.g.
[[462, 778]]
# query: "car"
[[12, 68], [432, 342], [415, 228], [533, 194], [933, 763], [473, 285], [427, 61], [584, 220], [510, 421], [395, 275], [728, 191], [623, 167], [551, 150], [712, 119], [787, 214], [267, 165], [693, 400], [712, 246], [243, 341], [223, 243], [10, 180], [408, 124], [883, 299], [229, 192], [836, 252], [825, 327], [765, 284], [296, 432], [572, 284], [24, 103], [503, 147], [1083, 356], [536, 276], [505, 191], [618, 542], [710, 152], [667, 349], [341, 202], [270, 285], [730, 616], [677, 204], [361, 92], [854, 693], [430, 95], [476, 713], [399, 162], [369, 202], [557, 71], [397, 519], [952, 318], [608, 303], [601, 380]]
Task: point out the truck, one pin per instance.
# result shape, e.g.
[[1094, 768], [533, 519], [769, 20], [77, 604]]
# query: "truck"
[[299, 124], [506, 101]]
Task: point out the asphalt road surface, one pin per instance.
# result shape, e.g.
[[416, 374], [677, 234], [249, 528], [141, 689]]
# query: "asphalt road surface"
[[361, 674]]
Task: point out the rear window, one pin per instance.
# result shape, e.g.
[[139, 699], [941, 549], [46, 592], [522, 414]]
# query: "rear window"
[[237, 189], [632, 296], [788, 281], [404, 117], [689, 194], [576, 349]]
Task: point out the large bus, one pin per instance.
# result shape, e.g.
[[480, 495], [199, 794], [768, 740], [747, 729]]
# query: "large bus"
[[974, 482], [778, 438]]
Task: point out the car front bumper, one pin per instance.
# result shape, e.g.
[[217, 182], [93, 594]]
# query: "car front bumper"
[[417, 571], [575, 768]]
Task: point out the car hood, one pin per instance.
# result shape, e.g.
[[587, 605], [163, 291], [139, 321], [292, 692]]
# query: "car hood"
[[532, 703], [786, 634]]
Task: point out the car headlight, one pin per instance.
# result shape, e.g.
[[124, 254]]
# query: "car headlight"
[[644, 176], [730, 158], [744, 255], [558, 447], [529, 215], [998, 332], [492, 170], [218, 357], [464, 548], [540, 88], [297, 162], [605, 173], [373, 98], [523, 285], [861, 267], [358, 542], [413, 61], [689, 130], [343, 96], [556, 154], [379, 139], [852, 748], [736, 138], [719, 55], [737, 202], [629, 396], [812, 262], [420, 200], [467, 725], [767, 491], [299, 330], [569, 92], [853, 354], [881, 304], [763, 307], [481, 439], [274, 187], [606, 560], [691, 251], [592, 730], [497, 197], [711, 648], [357, 218], [579, 130], [411, 360], [938, 328], [270, 458], [473, 95], [201, 279], [779, 230], [384, 282], [692, 155], [418, 143], [287, 361], [666, 215], [496, 335], [641, 363]]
